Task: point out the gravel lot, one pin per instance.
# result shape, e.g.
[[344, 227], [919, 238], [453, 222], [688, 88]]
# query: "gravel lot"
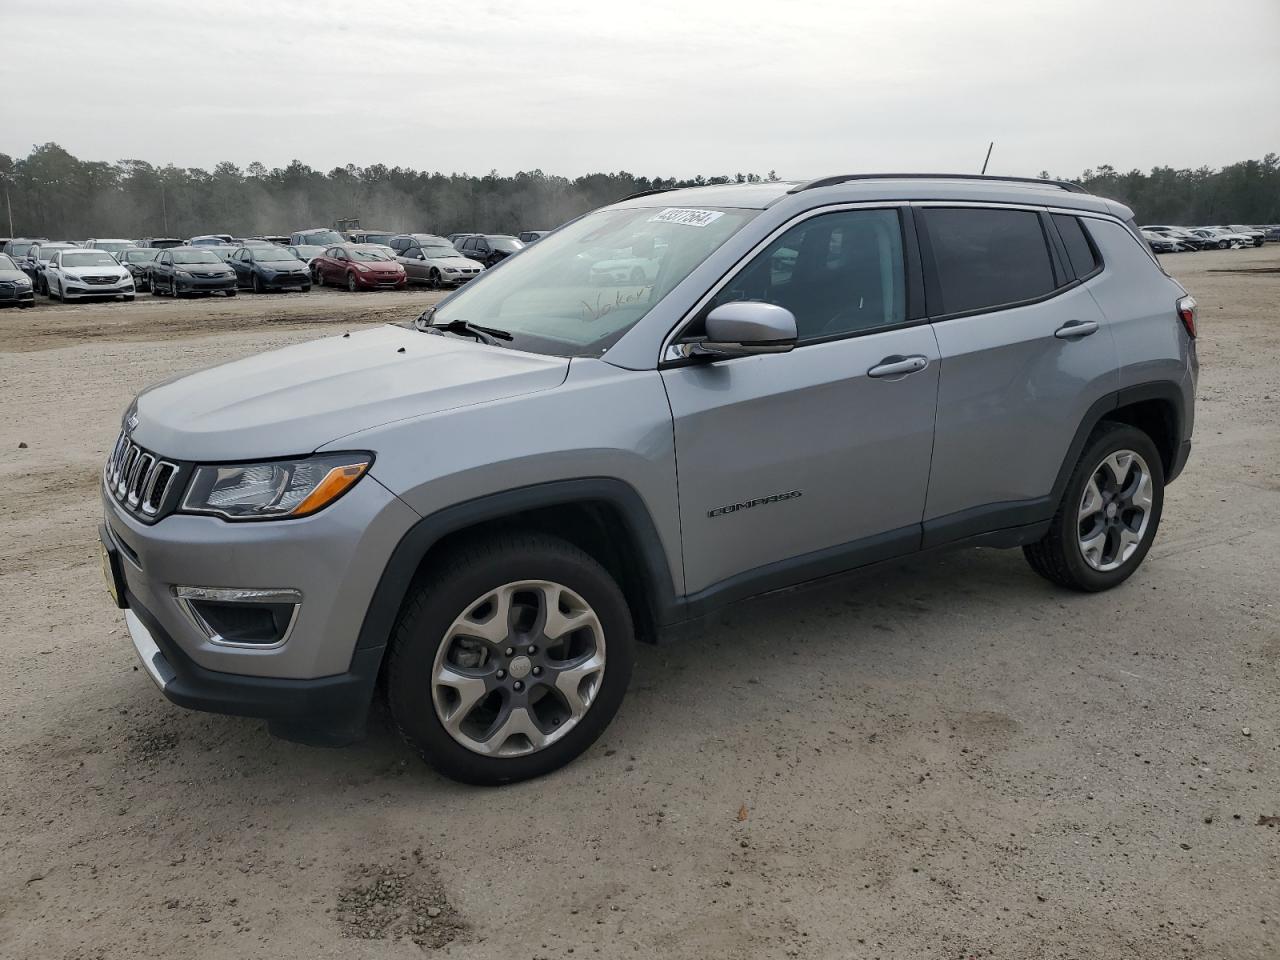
[[943, 757]]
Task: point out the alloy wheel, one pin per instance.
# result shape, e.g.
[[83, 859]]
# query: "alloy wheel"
[[1115, 510], [518, 669]]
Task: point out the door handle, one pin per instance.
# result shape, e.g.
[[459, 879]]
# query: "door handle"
[[898, 366], [1075, 329]]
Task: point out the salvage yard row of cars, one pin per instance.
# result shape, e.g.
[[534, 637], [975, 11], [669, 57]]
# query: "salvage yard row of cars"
[[220, 263], [1236, 236]]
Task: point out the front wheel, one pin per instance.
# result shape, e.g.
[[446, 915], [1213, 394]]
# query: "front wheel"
[[433, 280], [510, 657], [257, 284], [351, 282], [1109, 513]]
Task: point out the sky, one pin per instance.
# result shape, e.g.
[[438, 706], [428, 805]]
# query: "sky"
[[658, 88]]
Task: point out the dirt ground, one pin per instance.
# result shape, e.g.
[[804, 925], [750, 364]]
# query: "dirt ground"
[[941, 758]]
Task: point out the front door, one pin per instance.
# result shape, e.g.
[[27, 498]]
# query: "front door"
[[797, 465]]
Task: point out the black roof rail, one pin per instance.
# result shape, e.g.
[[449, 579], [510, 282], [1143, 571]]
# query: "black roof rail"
[[646, 193], [845, 178]]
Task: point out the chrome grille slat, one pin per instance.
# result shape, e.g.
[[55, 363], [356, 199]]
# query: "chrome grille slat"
[[137, 478]]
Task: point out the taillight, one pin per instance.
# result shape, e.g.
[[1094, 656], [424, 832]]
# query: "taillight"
[[1187, 314]]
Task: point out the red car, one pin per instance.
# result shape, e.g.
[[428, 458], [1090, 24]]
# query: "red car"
[[359, 266]]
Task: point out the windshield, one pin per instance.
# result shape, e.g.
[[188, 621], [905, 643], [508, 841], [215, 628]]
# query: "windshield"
[[140, 256], [195, 256], [6, 263], [46, 251], [21, 248], [307, 250], [360, 253], [272, 255], [112, 246], [509, 244], [378, 237], [440, 250], [322, 238], [551, 300], [89, 258]]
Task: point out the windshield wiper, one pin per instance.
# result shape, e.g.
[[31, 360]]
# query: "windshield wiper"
[[489, 335]]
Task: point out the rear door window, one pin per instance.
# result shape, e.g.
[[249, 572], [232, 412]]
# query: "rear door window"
[[1079, 250], [986, 258]]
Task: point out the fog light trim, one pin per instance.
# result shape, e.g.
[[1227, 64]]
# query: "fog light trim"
[[187, 598]]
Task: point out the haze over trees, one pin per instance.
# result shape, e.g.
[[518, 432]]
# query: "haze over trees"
[[51, 193]]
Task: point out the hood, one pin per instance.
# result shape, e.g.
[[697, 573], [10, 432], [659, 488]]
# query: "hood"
[[295, 400], [12, 276], [454, 262], [105, 270]]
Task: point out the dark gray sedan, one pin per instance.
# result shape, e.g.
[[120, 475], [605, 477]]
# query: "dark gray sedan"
[[15, 285]]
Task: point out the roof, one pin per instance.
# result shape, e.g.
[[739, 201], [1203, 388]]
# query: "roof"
[[854, 188]]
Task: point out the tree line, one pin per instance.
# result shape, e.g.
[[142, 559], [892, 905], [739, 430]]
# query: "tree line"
[[50, 193]]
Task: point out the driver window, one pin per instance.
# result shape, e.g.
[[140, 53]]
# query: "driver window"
[[839, 273]]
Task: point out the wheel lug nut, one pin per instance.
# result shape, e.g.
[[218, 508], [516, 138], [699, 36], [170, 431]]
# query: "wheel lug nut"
[[502, 674], [537, 671], [532, 650], [510, 651], [518, 686]]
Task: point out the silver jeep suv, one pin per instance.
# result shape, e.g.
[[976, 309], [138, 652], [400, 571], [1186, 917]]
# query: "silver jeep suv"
[[481, 513]]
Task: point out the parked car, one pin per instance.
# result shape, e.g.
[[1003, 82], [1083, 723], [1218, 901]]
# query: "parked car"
[[269, 268], [1258, 237], [223, 250], [457, 238], [493, 515], [358, 266], [282, 241], [305, 252], [111, 246], [19, 247], [160, 243], [435, 262], [403, 241], [382, 237], [138, 260], [1181, 234], [1223, 239], [15, 285], [316, 237], [490, 248], [1162, 243], [74, 274], [211, 240], [1273, 233], [37, 260], [532, 236], [179, 271]]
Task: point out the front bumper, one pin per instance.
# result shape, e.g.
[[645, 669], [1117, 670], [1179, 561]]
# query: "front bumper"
[[317, 679], [325, 711], [286, 281], [75, 290], [376, 282], [204, 284]]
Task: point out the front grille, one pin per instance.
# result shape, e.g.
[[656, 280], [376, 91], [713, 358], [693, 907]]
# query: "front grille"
[[100, 279], [138, 479]]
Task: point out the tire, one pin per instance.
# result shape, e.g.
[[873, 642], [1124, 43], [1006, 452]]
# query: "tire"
[[306, 288], [433, 279], [427, 633], [155, 291], [1222, 244], [1061, 556], [231, 293], [351, 283], [317, 278], [257, 284], [48, 290]]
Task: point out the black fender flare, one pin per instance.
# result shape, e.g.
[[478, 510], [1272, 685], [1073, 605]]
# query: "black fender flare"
[[1166, 390], [393, 585]]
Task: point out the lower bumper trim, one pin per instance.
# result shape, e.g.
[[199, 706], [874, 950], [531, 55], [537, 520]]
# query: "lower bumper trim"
[[328, 711]]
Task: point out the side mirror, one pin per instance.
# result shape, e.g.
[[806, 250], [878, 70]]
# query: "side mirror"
[[748, 327]]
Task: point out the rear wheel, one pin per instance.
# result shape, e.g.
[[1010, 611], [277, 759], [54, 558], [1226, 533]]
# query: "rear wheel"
[[510, 657], [1109, 513]]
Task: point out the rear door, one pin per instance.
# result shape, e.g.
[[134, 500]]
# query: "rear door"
[[801, 464], [1025, 353]]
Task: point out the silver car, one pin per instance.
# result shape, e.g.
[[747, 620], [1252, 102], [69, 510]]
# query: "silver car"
[[481, 514], [77, 273]]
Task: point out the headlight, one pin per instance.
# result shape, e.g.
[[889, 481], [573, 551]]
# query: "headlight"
[[22, 282], [182, 273], [276, 490], [362, 268]]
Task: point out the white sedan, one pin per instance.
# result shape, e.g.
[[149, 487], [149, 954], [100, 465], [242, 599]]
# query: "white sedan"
[[73, 274]]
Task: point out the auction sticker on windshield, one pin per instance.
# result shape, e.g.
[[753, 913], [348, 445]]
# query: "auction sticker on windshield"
[[686, 216]]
